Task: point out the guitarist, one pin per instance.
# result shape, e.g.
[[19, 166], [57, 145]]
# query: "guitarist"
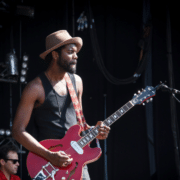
[[47, 97]]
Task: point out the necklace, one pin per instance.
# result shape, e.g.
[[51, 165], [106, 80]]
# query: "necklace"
[[59, 108]]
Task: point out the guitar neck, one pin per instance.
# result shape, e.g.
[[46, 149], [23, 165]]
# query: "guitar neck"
[[120, 112], [108, 122]]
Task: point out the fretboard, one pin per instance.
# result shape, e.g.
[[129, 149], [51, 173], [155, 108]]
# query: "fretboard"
[[108, 122]]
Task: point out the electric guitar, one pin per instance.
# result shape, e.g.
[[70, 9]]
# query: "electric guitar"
[[77, 146]]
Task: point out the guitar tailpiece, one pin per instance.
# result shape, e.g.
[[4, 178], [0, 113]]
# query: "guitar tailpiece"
[[42, 176]]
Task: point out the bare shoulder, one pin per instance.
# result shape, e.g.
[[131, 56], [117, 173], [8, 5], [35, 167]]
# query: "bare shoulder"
[[79, 84], [34, 91], [34, 86], [78, 78]]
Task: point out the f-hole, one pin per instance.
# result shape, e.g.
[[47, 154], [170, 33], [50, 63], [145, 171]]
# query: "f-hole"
[[53, 147], [73, 171]]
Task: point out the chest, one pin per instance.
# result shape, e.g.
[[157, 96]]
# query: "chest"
[[61, 88]]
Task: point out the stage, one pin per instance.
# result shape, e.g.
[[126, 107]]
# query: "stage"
[[127, 46]]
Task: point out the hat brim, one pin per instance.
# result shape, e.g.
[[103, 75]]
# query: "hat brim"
[[75, 40]]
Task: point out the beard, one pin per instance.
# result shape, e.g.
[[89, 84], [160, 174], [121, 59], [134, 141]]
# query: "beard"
[[67, 66]]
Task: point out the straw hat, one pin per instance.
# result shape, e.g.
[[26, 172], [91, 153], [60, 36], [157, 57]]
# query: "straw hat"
[[58, 39]]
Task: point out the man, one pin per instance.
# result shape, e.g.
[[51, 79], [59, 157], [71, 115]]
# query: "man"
[[48, 98], [9, 163]]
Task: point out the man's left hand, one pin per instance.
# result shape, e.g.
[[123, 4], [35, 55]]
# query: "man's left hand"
[[103, 131]]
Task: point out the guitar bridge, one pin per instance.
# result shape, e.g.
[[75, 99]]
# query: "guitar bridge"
[[41, 175]]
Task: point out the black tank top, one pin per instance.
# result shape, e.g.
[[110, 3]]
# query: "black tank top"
[[50, 123]]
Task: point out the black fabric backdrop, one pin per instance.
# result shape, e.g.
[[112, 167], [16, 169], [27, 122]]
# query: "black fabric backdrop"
[[119, 28]]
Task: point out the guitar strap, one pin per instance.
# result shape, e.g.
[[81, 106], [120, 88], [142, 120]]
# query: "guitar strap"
[[78, 109]]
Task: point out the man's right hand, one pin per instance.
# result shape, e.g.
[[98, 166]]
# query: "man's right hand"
[[60, 158]]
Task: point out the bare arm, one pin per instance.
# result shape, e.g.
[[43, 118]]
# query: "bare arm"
[[31, 94], [22, 117]]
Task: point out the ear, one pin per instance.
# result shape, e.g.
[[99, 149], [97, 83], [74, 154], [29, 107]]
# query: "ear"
[[55, 55], [2, 162]]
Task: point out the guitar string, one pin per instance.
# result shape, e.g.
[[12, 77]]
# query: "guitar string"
[[94, 136], [128, 108], [107, 123]]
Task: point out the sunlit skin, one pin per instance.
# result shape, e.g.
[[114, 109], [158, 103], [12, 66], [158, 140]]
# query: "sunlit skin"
[[68, 59], [34, 96], [7, 166]]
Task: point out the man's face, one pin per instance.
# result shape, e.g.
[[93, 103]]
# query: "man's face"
[[9, 166], [68, 58]]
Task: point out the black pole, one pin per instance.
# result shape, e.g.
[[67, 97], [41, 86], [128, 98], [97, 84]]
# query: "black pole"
[[105, 145], [149, 107], [174, 125], [73, 19], [67, 17]]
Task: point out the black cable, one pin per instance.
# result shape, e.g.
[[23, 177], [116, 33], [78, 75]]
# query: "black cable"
[[176, 98], [146, 41]]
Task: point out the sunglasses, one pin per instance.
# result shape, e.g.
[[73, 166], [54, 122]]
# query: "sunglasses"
[[13, 160]]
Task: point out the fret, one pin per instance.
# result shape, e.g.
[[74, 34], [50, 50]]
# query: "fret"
[[95, 131], [91, 135], [115, 116], [78, 142], [87, 138], [81, 142], [118, 113], [110, 121], [84, 140], [106, 123], [125, 108], [129, 105], [122, 111]]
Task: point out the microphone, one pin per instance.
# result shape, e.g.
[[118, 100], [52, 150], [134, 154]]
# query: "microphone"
[[175, 91], [166, 88]]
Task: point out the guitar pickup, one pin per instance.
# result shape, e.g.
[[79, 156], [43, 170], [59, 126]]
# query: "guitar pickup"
[[76, 147]]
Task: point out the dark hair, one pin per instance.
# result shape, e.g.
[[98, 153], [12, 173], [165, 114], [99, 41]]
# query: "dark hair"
[[48, 57], [5, 149]]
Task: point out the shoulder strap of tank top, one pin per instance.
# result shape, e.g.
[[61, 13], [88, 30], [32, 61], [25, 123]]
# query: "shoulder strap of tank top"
[[45, 82], [80, 117]]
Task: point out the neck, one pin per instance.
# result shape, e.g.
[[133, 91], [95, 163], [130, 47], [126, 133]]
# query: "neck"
[[6, 174], [55, 73]]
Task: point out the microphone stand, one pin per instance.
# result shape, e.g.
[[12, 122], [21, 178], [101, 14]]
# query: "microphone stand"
[[171, 90]]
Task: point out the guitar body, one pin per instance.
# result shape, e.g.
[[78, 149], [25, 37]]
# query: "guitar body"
[[77, 146], [72, 171]]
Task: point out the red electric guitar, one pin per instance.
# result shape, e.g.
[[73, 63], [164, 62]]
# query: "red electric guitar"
[[77, 146]]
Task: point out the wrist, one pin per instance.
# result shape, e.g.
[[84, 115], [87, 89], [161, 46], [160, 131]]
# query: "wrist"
[[47, 154]]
